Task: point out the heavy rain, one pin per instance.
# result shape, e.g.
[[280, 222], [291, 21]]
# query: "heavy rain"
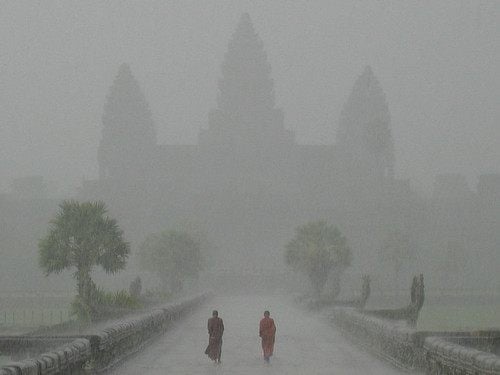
[[249, 187]]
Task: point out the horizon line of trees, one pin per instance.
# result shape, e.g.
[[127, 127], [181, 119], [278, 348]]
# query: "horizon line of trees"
[[82, 237]]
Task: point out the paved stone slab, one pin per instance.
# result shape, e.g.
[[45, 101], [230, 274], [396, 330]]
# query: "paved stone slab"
[[305, 344]]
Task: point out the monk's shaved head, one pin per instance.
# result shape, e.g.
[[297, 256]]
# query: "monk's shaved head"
[[267, 313]]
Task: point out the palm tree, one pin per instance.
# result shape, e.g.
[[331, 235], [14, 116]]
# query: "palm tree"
[[317, 249], [82, 236]]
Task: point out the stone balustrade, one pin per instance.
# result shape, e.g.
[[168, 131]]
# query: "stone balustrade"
[[20, 347], [392, 340], [391, 334], [445, 357], [436, 353], [100, 350], [67, 359]]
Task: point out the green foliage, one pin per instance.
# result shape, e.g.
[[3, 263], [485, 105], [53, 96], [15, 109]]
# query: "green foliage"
[[173, 255], [82, 236], [197, 232], [316, 249], [119, 299], [101, 303]]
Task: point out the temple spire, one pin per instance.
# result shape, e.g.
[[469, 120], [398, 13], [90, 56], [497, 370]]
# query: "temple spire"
[[245, 112], [246, 83], [245, 25], [128, 133], [364, 134]]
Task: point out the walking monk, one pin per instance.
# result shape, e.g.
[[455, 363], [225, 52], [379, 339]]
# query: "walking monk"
[[267, 332], [215, 331]]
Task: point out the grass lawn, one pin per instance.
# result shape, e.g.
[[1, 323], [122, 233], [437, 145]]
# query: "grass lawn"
[[455, 318], [4, 360], [12, 318]]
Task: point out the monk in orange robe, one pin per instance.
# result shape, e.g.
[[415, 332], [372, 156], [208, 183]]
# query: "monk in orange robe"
[[267, 332], [215, 330]]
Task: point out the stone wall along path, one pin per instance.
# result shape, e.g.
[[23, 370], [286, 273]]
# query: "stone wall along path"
[[305, 344]]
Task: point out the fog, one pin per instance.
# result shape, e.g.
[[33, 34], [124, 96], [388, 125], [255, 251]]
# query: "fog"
[[229, 127], [326, 349], [437, 63]]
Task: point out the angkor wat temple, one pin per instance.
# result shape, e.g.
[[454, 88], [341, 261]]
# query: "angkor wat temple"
[[247, 180], [248, 183]]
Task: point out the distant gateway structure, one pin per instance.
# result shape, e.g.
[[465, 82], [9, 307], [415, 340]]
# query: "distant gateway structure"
[[247, 182]]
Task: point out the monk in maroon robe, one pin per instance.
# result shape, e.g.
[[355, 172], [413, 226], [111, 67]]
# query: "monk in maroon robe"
[[215, 330], [267, 332]]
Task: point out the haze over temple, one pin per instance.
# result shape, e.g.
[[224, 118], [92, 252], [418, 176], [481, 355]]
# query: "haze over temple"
[[247, 179], [128, 133], [248, 183], [260, 198]]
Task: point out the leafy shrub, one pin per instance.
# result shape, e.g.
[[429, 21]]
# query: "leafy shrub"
[[103, 304], [317, 249], [173, 255], [122, 299]]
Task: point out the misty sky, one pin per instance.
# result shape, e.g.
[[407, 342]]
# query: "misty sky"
[[438, 63]]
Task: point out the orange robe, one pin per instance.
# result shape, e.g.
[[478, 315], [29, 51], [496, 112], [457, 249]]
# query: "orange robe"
[[267, 332], [215, 330]]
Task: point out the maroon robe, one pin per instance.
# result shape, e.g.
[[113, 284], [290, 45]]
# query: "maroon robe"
[[267, 332], [215, 330]]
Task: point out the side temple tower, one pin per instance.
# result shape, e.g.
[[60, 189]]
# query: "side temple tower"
[[128, 134], [364, 140]]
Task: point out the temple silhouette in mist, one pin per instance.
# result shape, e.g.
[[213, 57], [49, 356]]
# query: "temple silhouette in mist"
[[247, 180], [247, 184]]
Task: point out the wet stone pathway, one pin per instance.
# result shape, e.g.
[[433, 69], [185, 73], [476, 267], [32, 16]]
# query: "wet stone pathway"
[[305, 344]]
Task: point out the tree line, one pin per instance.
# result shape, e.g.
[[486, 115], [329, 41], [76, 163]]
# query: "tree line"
[[82, 237]]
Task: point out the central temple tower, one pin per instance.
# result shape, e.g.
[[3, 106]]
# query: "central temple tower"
[[246, 121]]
